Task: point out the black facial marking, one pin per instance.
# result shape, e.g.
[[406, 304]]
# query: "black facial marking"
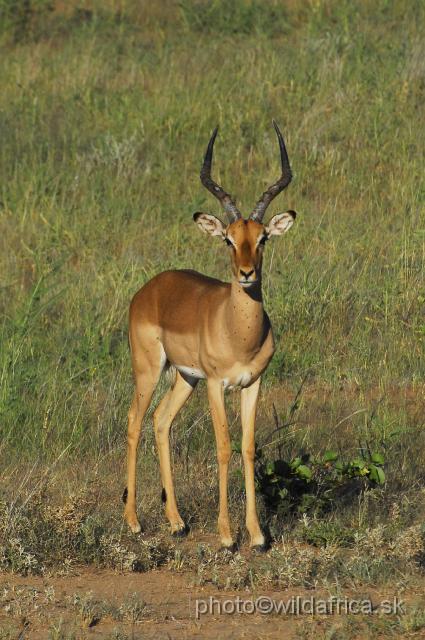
[[163, 496], [227, 241], [125, 495]]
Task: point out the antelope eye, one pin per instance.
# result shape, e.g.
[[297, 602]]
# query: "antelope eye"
[[227, 241], [263, 240]]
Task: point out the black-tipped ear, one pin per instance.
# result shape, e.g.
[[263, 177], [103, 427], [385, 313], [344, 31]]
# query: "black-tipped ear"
[[209, 224], [280, 223]]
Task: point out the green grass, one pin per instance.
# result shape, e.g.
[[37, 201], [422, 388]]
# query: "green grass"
[[105, 111]]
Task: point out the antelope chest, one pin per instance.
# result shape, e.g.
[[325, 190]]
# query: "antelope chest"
[[242, 375], [239, 380]]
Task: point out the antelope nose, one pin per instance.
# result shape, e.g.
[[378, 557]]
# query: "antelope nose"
[[246, 274]]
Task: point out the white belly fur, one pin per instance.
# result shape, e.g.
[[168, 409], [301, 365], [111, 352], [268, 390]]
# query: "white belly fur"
[[242, 379], [190, 371]]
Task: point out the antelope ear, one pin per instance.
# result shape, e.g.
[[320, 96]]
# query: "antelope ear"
[[209, 224], [280, 223]]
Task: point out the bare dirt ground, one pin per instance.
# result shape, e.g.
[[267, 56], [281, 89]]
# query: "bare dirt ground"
[[170, 608], [162, 604]]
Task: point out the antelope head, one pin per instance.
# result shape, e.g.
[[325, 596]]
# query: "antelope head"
[[246, 237]]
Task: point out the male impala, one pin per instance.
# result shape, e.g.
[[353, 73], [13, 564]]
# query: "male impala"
[[209, 329]]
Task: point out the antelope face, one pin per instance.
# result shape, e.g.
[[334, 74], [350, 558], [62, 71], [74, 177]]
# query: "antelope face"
[[246, 237], [246, 240]]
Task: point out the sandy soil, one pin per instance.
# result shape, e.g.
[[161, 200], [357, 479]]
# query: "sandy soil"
[[88, 605]]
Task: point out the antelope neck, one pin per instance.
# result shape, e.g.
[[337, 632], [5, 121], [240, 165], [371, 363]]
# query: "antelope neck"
[[245, 311]]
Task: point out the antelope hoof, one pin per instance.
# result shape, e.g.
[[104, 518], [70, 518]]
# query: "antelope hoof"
[[260, 548], [181, 532], [232, 547], [133, 523], [135, 527]]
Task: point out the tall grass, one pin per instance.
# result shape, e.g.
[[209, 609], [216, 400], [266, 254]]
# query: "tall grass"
[[105, 111]]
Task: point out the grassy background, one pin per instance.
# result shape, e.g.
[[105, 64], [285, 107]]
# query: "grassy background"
[[105, 111]]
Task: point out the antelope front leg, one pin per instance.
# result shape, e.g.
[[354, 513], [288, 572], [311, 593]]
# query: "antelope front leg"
[[249, 398], [221, 430]]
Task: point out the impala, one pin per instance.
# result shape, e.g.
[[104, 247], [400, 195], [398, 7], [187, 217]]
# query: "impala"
[[209, 329]]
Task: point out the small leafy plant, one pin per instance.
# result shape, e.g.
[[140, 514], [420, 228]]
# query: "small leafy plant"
[[306, 484]]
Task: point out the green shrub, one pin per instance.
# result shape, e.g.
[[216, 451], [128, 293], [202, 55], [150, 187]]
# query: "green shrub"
[[315, 485]]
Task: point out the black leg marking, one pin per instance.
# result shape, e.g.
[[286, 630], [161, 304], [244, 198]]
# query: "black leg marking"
[[125, 496], [163, 496]]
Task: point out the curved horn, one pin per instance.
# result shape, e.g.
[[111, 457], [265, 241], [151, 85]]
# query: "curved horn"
[[274, 190], [225, 199]]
